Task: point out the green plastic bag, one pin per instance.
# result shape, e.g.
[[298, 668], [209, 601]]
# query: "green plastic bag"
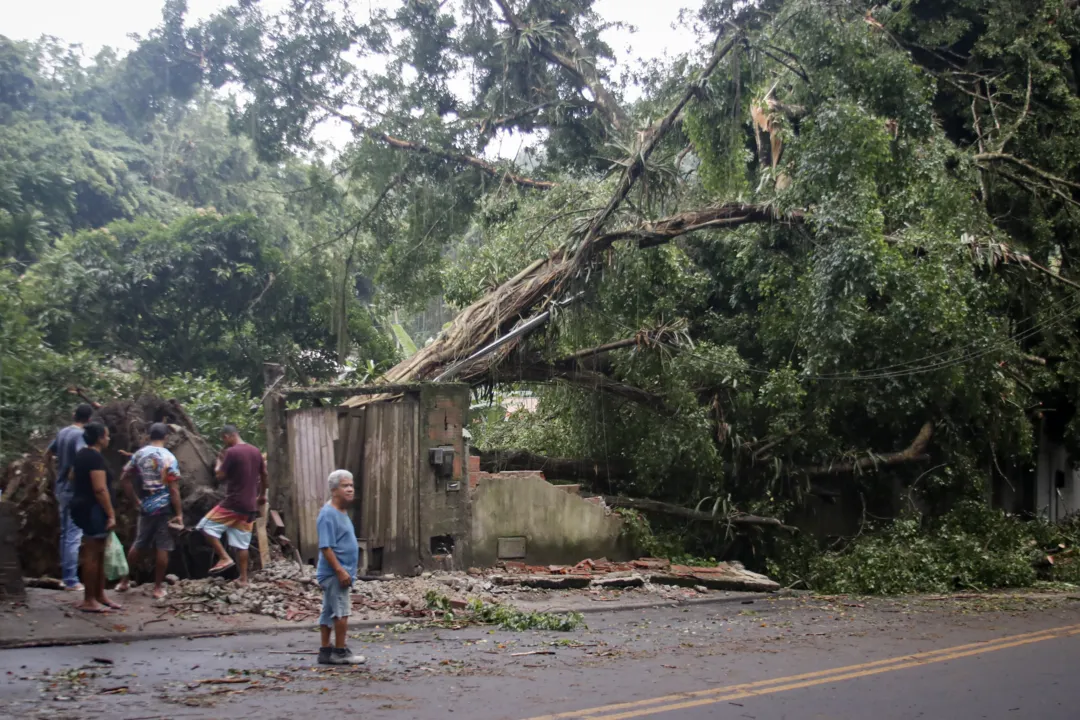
[[116, 566]]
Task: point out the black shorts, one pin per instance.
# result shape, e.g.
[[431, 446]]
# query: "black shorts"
[[91, 519], [153, 532]]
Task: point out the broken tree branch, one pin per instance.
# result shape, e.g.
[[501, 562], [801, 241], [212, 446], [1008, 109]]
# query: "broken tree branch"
[[458, 158], [541, 283], [593, 381], [727, 217], [680, 511], [655, 135], [996, 157], [915, 452], [579, 65]]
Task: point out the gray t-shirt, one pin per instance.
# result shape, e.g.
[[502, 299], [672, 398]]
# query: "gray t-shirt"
[[67, 443]]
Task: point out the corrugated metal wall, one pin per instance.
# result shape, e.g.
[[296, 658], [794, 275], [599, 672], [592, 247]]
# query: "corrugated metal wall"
[[390, 498], [312, 436]]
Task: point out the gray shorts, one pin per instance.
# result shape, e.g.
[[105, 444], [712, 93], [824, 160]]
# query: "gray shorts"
[[153, 532], [335, 602]]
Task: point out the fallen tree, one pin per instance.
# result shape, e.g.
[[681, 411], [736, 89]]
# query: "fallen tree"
[[28, 484], [546, 280], [557, 468], [738, 519]]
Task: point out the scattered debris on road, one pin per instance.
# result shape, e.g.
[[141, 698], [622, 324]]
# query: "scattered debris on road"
[[289, 591]]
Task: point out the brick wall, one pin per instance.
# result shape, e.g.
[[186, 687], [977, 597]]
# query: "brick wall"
[[477, 476]]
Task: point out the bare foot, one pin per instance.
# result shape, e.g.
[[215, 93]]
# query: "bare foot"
[[109, 603], [77, 587], [123, 586], [242, 583], [91, 606], [159, 592]]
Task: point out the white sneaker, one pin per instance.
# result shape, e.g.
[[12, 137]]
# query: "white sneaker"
[[344, 656]]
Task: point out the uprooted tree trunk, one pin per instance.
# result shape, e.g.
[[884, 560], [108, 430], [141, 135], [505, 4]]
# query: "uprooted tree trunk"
[[28, 482]]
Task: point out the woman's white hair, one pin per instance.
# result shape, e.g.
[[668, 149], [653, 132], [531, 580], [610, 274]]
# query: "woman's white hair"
[[335, 479]]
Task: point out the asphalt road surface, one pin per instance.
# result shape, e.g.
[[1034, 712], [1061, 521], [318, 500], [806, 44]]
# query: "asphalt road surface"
[[803, 658]]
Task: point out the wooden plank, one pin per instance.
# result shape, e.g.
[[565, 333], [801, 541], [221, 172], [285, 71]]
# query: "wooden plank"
[[341, 448], [260, 533], [312, 434], [277, 443], [354, 463], [292, 528]]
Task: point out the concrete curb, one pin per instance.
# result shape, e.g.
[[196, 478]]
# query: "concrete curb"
[[123, 638]]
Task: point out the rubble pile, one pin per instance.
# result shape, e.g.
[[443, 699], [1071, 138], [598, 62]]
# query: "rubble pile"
[[288, 591], [283, 590], [644, 572]]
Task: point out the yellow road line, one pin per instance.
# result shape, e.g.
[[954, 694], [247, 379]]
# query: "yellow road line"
[[762, 687]]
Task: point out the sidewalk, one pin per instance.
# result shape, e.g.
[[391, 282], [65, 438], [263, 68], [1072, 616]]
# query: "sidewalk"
[[48, 617]]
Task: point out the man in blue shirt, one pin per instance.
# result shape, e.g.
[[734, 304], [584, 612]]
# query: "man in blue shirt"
[[338, 556], [67, 443]]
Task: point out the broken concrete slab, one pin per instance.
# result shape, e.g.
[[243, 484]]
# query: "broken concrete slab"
[[545, 582], [618, 580], [717, 579]]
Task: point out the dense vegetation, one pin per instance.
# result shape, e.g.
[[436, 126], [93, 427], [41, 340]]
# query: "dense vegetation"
[[853, 244]]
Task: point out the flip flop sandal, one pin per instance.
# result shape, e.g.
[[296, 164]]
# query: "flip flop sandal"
[[94, 611], [114, 606], [219, 569]]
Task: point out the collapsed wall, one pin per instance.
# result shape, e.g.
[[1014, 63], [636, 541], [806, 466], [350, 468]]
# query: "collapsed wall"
[[521, 516]]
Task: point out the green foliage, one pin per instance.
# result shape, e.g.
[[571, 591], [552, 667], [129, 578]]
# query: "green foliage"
[[129, 238], [915, 141], [211, 403], [504, 616], [970, 548]]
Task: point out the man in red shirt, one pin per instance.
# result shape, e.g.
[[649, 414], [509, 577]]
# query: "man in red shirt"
[[243, 469]]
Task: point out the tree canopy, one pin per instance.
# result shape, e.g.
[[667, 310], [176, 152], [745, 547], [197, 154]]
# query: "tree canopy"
[[832, 241]]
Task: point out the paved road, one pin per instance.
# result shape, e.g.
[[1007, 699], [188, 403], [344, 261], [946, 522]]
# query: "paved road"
[[836, 659]]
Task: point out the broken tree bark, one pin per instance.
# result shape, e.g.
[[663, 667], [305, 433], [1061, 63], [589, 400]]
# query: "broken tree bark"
[[913, 453], [542, 282], [679, 511]]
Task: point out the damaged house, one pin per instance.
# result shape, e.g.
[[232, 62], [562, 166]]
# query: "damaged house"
[[421, 504]]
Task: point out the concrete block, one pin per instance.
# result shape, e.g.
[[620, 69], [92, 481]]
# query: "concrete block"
[[618, 580]]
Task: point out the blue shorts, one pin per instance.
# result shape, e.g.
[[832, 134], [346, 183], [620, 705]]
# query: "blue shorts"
[[91, 519], [336, 602]]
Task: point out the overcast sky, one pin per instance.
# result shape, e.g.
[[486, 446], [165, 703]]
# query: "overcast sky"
[[97, 23], [94, 24]]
